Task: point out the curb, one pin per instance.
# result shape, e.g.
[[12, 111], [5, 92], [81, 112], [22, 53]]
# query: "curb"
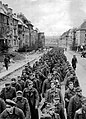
[[9, 73], [1, 79]]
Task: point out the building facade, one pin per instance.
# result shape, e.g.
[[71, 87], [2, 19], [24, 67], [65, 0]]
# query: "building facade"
[[16, 31], [41, 39], [8, 28], [81, 34], [3, 27]]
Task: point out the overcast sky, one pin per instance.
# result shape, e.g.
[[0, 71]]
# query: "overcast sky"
[[51, 16]]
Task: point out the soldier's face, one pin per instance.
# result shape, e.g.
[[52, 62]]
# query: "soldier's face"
[[10, 109], [13, 82], [71, 86], [30, 86], [49, 77], [79, 93], [19, 96], [56, 101], [8, 87], [52, 85], [24, 74], [19, 78]]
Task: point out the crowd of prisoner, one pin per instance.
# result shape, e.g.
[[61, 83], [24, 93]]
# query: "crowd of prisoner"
[[40, 88]]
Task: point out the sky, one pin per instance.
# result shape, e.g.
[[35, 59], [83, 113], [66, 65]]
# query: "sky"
[[51, 16]]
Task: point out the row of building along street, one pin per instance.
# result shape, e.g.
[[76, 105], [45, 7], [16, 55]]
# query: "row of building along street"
[[17, 32], [74, 38]]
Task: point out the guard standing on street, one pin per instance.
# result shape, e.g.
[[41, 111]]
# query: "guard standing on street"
[[6, 62], [74, 61]]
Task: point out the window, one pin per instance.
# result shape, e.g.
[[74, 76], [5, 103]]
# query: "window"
[[14, 32], [14, 41]]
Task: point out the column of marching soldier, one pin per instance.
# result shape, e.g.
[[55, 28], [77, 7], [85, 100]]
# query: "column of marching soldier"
[[40, 87]]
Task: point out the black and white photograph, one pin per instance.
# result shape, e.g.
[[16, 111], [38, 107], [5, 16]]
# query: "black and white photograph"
[[42, 59]]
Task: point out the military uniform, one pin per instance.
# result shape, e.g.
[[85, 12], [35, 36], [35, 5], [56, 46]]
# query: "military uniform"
[[21, 82], [8, 94], [33, 99], [2, 105], [46, 86], [52, 93], [74, 61], [80, 114], [68, 94], [17, 86], [17, 114], [60, 110], [56, 110], [74, 104], [13, 113], [23, 105]]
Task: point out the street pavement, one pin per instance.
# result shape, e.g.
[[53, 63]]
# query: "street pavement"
[[16, 65], [16, 68], [80, 70]]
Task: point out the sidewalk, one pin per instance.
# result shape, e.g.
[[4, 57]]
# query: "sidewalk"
[[17, 65], [80, 70]]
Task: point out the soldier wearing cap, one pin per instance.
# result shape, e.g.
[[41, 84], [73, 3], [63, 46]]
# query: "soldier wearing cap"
[[75, 103], [46, 84], [16, 85], [35, 81], [12, 112], [58, 84], [81, 113], [68, 94], [52, 93], [74, 62], [26, 70], [22, 103], [33, 98], [58, 108], [24, 76], [8, 92], [21, 82]]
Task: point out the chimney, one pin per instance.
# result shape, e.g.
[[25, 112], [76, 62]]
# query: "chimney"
[[10, 11]]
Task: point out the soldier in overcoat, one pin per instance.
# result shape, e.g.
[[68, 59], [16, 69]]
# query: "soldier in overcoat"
[[33, 98]]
